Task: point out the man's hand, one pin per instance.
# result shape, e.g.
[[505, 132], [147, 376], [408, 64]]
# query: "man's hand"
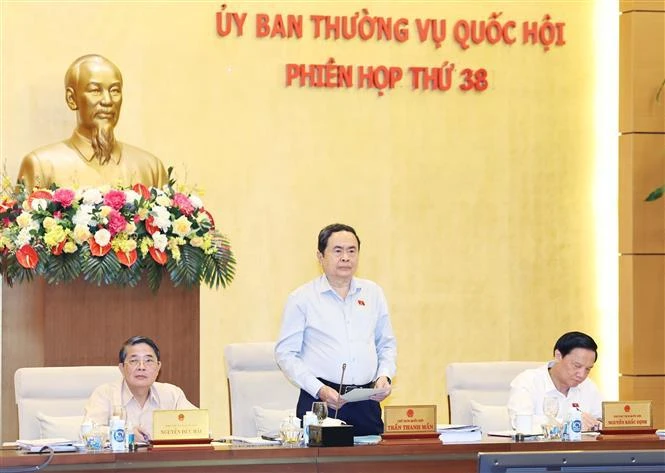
[[381, 382], [331, 397], [141, 435], [589, 422]]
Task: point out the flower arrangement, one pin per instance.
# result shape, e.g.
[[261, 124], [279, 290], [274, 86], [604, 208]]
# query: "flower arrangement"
[[112, 235]]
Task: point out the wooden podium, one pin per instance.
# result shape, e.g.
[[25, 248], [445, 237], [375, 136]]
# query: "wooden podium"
[[78, 323]]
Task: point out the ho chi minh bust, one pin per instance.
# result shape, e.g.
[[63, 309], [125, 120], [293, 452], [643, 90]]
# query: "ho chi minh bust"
[[92, 156]]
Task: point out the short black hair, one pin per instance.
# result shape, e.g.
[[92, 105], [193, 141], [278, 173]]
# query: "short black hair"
[[324, 234], [571, 340], [135, 340]]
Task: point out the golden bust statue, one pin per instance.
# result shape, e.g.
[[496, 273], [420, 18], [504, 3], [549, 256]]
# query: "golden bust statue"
[[92, 156]]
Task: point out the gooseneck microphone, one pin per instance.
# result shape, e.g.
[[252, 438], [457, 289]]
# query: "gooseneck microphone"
[[341, 383]]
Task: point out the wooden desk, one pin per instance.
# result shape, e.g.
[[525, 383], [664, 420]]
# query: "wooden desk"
[[388, 457]]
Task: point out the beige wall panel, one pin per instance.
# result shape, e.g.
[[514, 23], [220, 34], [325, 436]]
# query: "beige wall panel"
[[641, 170], [649, 388], [641, 314], [641, 72], [642, 5], [477, 211]]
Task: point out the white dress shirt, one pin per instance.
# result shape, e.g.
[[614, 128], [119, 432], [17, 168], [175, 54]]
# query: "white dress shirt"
[[530, 387], [321, 331], [162, 396]]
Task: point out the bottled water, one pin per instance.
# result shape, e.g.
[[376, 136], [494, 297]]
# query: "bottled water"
[[575, 423], [308, 419], [117, 434]]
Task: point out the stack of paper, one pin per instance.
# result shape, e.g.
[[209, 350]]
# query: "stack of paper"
[[250, 440], [56, 444], [459, 433]]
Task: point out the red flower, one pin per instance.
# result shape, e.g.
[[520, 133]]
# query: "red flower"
[[141, 189], [97, 250], [127, 258], [27, 257], [159, 256], [117, 222], [56, 250], [150, 226], [40, 194], [182, 202], [7, 204], [64, 197], [115, 199]]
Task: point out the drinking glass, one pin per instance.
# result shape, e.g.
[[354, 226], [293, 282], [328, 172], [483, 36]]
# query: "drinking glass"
[[551, 429], [290, 432], [550, 407], [119, 412], [320, 409]]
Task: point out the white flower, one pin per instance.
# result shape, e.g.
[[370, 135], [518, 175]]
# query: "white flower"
[[182, 226], [81, 233], [25, 220], [102, 237], [131, 196], [23, 237], [83, 215], [92, 196], [160, 241], [163, 200], [39, 204], [196, 201], [162, 217]]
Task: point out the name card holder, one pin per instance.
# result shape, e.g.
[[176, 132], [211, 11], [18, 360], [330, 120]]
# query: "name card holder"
[[410, 422], [627, 417], [181, 428]]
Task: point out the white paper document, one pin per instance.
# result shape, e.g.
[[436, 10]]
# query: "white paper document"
[[249, 440], [56, 444], [456, 428], [363, 394]]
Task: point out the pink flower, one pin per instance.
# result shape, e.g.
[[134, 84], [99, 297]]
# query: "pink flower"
[[114, 199], [182, 202], [64, 197], [117, 222]]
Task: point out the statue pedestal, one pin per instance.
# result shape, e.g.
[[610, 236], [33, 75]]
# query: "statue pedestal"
[[79, 324]]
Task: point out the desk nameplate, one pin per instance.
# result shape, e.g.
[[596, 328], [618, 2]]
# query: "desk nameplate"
[[627, 415], [418, 419], [179, 425]]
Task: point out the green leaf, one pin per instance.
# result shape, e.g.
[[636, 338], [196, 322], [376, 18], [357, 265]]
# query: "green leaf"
[[153, 272], [656, 194], [15, 273], [99, 269], [61, 268], [187, 271], [218, 268]]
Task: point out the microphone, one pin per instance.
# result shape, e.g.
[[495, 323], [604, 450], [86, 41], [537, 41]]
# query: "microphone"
[[341, 383]]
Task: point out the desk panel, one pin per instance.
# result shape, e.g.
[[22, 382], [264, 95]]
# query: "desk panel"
[[387, 457]]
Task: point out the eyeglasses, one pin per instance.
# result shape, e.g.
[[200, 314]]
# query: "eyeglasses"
[[148, 363]]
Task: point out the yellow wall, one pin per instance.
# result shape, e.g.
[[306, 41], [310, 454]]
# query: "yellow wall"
[[476, 210]]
